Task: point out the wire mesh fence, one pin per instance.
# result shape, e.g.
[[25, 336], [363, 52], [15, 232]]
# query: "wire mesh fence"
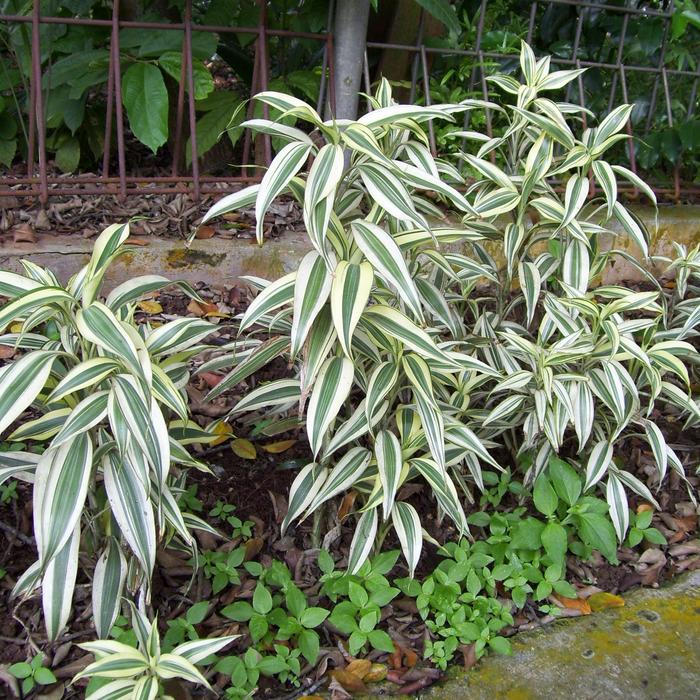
[[601, 37]]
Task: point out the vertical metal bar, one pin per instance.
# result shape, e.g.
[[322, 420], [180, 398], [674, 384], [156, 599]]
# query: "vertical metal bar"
[[180, 115], [368, 84], [693, 95], [31, 140], [472, 77], [263, 73], [630, 142], [190, 98], [662, 61], [116, 67], [416, 57], [577, 42], [320, 107], [39, 102], [251, 108], [426, 87], [669, 117], [331, 72], [487, 112], [108, 117], [531, 25], [618, 62]]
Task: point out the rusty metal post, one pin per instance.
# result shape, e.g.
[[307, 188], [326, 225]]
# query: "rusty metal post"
[[177, 146], [115, 60], [190, 99], [39, 102], [263, 73]]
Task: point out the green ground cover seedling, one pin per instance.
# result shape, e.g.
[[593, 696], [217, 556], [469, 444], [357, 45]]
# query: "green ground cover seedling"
[[32, 673]]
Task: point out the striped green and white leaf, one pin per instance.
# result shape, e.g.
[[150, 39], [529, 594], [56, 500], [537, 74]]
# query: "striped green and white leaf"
[[284, 167], [18, 465], [305, 487], [86, 415], [107, 586], [83, 376], [576, 266], [60, 488], [355, 427], [42, 428], [348, 470], [132, 290], [178, 335], [329, 393], [408, 529], [259, 357], [27, 303], [444, 489], [101, 327], [277, 129], [58, 584], [598, 463], [350, 292], [530, 283], [21, 382], [385, 256], [387, 452], [311, 290], [618, 507], [274, 295], [363, 539], [275, 393], [632, 227], [245, 197], [199, 649], [131, 507], [613, 123]]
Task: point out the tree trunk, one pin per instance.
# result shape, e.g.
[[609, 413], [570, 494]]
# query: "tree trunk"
[[349, 37]]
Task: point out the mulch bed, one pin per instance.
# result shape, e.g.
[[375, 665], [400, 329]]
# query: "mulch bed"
[[259, 488]]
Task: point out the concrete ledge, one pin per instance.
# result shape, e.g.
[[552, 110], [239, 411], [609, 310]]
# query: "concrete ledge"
[[222, 261]]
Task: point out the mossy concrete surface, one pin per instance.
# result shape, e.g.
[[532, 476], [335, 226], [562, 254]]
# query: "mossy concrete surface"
[[647, 650], [223, 261]]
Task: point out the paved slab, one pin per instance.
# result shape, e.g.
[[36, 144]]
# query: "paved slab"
[[647, 650]]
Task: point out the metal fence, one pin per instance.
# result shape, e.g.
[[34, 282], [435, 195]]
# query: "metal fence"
[[40, 182], [43, 184]]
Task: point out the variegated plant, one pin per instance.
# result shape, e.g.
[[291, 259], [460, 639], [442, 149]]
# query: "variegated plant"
[[107, 398], [412, 356], [139, 673], [586, 364], [379, 385]]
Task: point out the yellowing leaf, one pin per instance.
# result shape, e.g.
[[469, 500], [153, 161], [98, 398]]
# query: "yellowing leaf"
[[375, 674], [244, 449], [223, 430], [359, 667], [574, 604], [16, 328], [205, 308], [150, 307], [277, 447], [603, 600]]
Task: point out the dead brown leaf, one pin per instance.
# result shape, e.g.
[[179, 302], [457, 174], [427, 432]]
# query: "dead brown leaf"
[[469, 655], [204, 232], [140, 242], [279, 446], [376, 673], [211, 378], [253, 547], [649, 566], [6, 352], [347, 505], [337, 691], [23, 233]]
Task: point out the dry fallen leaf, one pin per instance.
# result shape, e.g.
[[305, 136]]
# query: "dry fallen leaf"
[[244, 449], [360, 667], [578, 604], [205, 308], [136, 241], [349, 681], [253, 546], [150, 307], [223, 430], [6, 352], [204, 232], [347, 505], [23, 233], [603, 600], [279, 446], [211, 378], [376, 674]]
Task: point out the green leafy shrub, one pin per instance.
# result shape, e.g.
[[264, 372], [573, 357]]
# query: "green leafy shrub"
[[32, 673], [405, 365], [104, 389]]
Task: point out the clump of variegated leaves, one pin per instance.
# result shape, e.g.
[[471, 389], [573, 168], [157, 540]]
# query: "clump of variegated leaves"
[[405, 366], [139, 673], [114, 419]]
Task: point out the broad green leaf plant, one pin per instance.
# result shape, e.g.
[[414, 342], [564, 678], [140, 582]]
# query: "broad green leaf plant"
[[412, 356], [108, 400]]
